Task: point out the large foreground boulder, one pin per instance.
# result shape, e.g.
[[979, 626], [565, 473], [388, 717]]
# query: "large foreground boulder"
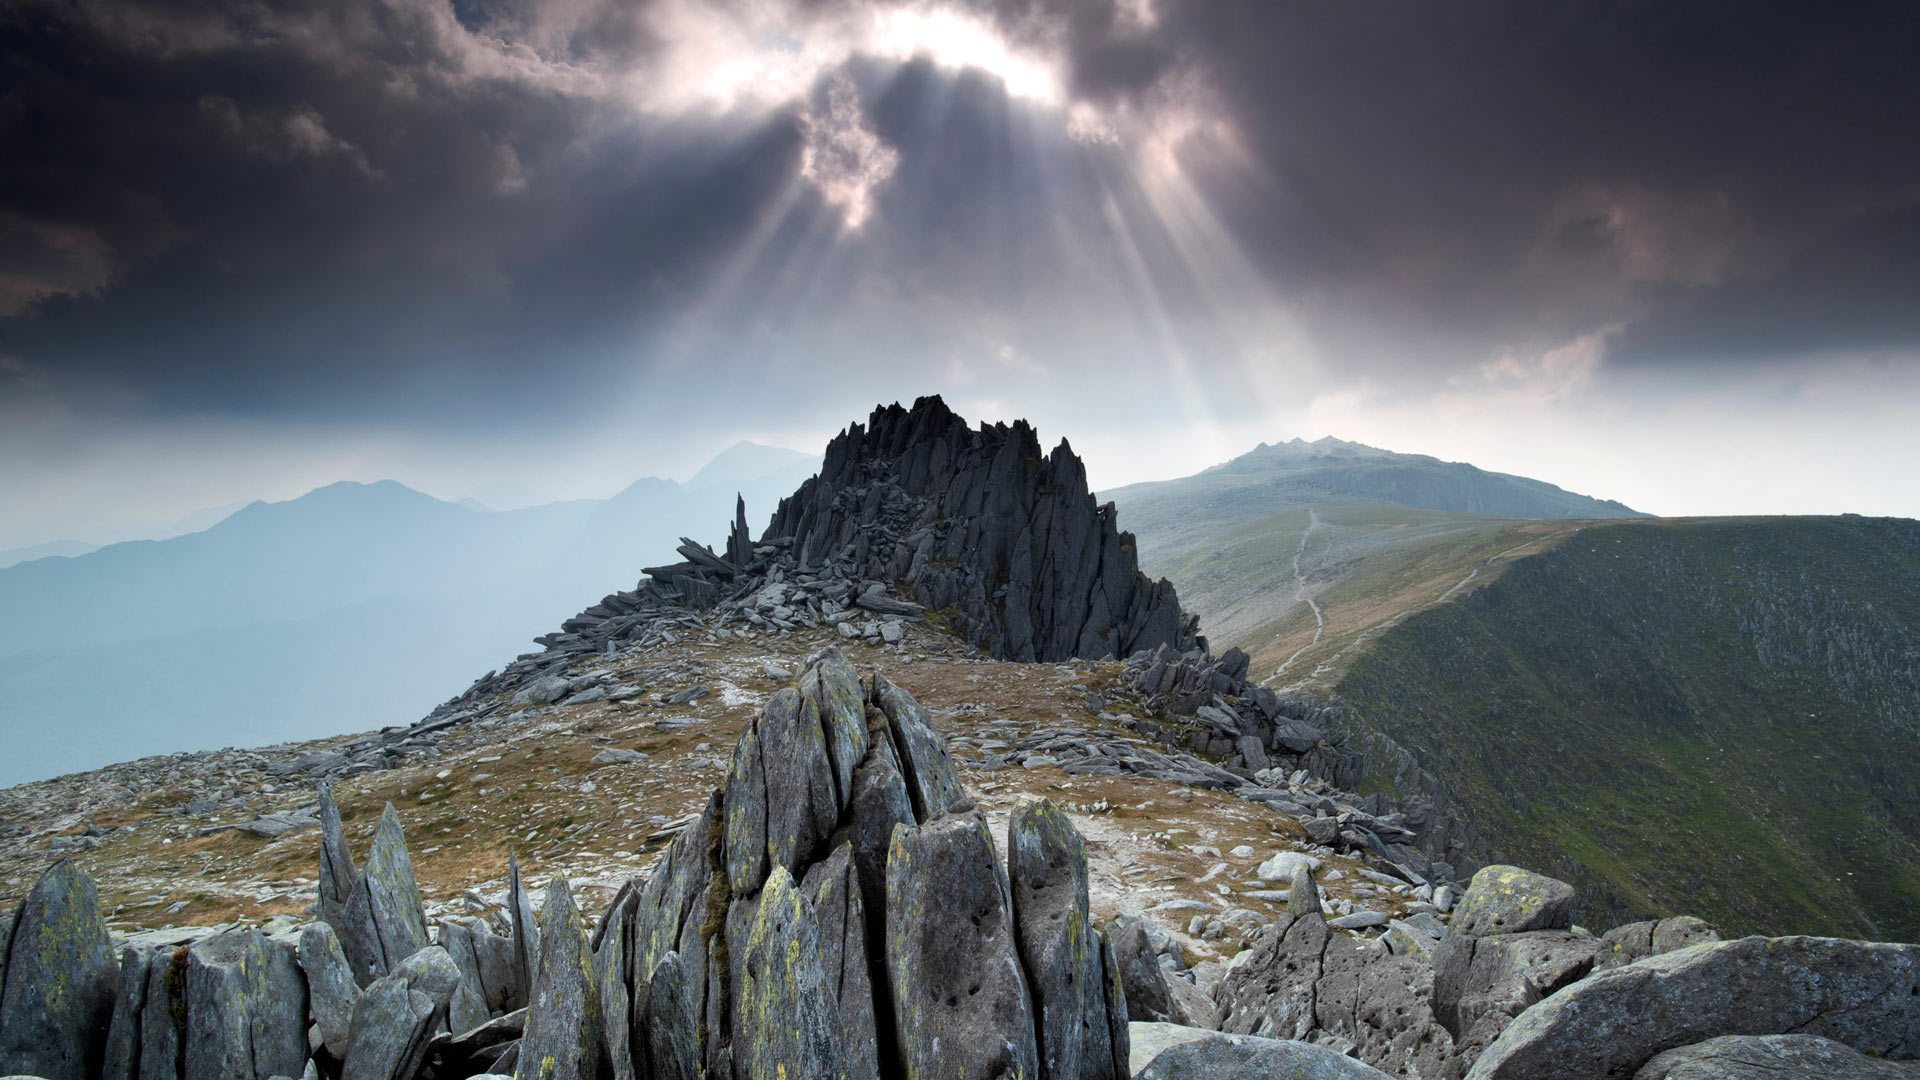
[[1773, 1057], [57, 979], [1605, 1027]]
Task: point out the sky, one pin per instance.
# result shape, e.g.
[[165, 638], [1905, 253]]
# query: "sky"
[[1661, 253]]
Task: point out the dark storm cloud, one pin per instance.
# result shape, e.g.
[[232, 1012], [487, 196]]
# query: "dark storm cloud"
[[357, 206]]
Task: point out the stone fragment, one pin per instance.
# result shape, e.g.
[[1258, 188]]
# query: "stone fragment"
[[672, 1021], [245, 1004], [960, 1002], [1608, 1025], [1303, 893], [1218, 1056], [526, 936], [399, 917], [391, 1027], [1772, 1057], [122, 1051], [56, 1000], [330, 985], [1144, 980], [616, 756], [1280, 865]]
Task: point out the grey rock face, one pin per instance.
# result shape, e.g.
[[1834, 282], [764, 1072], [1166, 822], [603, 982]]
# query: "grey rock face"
[[399, 917], [563, 1021], [1481, 984], [960, 1000], [1609, 1024], [1772, 1057], [1218, 1056], [932, 781], [122, 1056], [1006, 543], [1306, 982], [57, 998], [1145, 982], [239, 1005]]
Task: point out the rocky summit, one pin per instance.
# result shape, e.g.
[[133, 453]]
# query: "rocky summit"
[[788, 810]]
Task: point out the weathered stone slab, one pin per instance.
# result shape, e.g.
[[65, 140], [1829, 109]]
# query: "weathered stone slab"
[[833, 887], [246, 1009], [960, 1002], [1636, 941], [1047, 869], [1609, 1024], [122, 1054], [399, 917], [56, 1001], [330, 985], [563, 1019], [391, 1027], [785, 1024]]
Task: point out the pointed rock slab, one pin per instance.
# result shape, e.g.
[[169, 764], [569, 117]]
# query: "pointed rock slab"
[[834, 889], [56, 1001], [932, 782], [1509, 900], [615, 935], [330, 986], [668, 902], [1138, 968], [432, 972], [830, 682], [1865, 994], [563, 1020], [960, 1002], [163, 1015], [344, 904], [1047, 869], [485, 960], [399, 917], [246, 1009], [526, 937], [785, 1027], [781, 797], [1108, 1054], [122, 1056], [879, 802], [392, 1025]]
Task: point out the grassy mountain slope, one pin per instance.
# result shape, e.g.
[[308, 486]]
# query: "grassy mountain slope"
[[1720, 717], [1299, 588]]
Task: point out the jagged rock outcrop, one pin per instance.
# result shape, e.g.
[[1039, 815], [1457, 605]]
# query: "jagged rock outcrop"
[[376, 913], [838, 909], [976, 524]]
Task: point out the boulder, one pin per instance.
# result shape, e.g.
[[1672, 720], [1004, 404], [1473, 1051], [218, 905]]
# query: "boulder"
[[1218, 1056], [1280, 866], [1143, 979], [56, 1000], [1772, 1057], [1509, 900], [1503, 974], [1637, 941], [1864, 994], [961, 1005]]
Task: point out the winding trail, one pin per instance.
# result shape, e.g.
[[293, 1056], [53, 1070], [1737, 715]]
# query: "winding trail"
[[1392, 621], [1300, 593]]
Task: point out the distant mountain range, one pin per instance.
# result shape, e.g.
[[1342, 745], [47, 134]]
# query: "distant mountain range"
[[354, 605], [1170, 516]]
